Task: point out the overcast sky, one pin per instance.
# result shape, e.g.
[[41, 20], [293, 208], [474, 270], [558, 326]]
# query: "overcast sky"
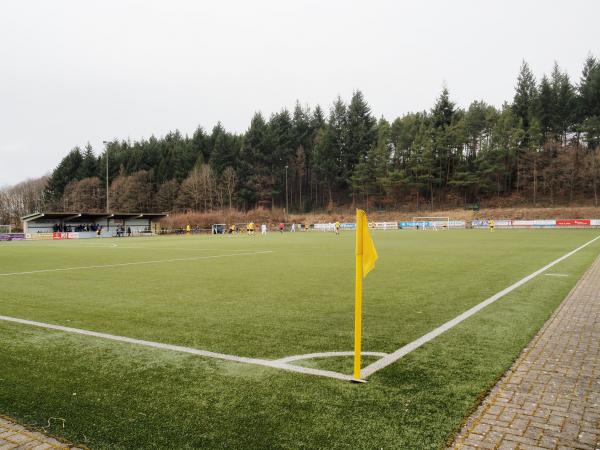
[[79, 71]]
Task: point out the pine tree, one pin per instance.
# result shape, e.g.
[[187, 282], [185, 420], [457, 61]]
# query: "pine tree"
[[360, 133], [330, 150], [253, 169], [89, 164], [546, 106], [224, 149], [525, 96], [563, 94], [589, 89], [68, 170]]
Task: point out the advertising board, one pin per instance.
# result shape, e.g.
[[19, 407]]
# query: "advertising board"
[[384, 225], [12, 237], [573, 222]]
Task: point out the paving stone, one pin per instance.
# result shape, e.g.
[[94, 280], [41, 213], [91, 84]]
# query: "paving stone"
[[18, 437], [550, 398], [8, 446]]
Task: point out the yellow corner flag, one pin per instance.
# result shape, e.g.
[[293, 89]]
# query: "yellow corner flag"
[[366, 255]]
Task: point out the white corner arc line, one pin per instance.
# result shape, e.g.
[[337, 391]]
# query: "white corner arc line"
[[134, 263], [402, 351], [556, 275], [289, 359], [276, 364]]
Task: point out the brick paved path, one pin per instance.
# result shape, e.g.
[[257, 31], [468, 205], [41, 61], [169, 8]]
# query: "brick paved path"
[[14, 436], [550, 398]]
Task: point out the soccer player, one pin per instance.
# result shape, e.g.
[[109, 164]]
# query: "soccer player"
[[492, 225], [337, 228], [263, 229], [188, 229], [251, 228]]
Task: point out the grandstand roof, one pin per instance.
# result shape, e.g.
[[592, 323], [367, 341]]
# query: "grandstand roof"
[[89, 215]]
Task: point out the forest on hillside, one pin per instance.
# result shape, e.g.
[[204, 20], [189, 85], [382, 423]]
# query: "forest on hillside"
[[541, 148]]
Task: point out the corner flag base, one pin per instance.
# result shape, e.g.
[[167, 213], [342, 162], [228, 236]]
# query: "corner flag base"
[[357, 380]]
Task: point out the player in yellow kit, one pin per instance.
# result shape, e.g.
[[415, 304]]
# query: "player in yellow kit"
[[492, 225], [337, 228]]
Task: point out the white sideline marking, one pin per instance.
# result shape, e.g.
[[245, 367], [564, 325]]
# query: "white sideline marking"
[[134, 247], [156, 261], [556, 275], [276, 364], [192, 249], [402, 351]]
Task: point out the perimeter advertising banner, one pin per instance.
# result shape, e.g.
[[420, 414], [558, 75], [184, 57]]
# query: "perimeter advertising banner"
[[573, 222], [457, 224], [407, 224], [324, 226], [439, 223], [544, 223], [12, 237], [482, 223], [57, 235], [503, 223], [523, 223], [384, 225], [500, 223], [40, 236]]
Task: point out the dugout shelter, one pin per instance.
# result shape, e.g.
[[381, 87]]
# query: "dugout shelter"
[[74, 225]]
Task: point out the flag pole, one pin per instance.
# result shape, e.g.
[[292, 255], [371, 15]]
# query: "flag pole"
[[358, 297]]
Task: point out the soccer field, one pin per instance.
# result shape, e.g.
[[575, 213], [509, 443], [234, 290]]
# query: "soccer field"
[[269, 298]]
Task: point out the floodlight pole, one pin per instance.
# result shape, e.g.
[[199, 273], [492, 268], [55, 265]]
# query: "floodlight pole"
[[286, 193], [106, 155]]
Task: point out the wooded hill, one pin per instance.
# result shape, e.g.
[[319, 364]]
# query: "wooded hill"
[[543, 146]]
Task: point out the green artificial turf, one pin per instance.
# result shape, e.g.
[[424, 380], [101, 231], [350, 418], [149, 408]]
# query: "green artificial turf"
[[296, 299]]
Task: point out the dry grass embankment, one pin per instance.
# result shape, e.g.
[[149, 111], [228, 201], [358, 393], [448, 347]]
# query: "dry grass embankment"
[[205, 220]]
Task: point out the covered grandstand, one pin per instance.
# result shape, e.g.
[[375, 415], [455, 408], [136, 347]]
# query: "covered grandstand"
[[74, 225]]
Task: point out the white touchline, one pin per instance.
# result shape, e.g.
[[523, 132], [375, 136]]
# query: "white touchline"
[[276, 364], [60, 245], [556, 275], [402, 351], [135, 263]]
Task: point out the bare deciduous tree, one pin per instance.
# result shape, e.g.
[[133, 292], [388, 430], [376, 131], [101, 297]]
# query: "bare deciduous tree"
[[229, 181], [84, 195], [21, 199]]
